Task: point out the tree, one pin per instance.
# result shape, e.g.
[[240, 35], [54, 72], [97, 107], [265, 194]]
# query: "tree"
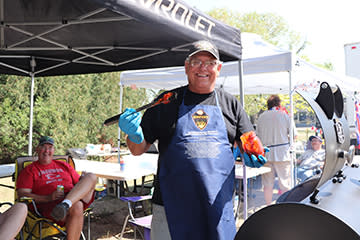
[[272, 27], [255, 104], [14, 120], [71, 109]]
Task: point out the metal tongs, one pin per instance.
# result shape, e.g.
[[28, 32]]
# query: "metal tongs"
[[165, 99]]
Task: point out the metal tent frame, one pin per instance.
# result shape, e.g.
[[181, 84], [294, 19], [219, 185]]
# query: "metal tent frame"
[[42, 38]]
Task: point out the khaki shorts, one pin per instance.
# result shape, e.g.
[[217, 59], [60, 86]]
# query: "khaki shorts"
[[282, 170]]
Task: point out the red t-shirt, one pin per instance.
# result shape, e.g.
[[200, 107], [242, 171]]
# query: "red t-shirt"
[[43, 180]]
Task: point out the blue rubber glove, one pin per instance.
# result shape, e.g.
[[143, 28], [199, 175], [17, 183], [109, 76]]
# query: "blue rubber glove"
[[255, 161], [129, 123], [236, 152]]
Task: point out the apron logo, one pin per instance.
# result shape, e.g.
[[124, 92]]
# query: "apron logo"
[[200, 119]]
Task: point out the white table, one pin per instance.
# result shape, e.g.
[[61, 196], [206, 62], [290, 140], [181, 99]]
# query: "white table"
[[7, 170], [250, 173], [135, 167]]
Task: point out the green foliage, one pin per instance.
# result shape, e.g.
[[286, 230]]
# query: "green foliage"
[[255, 103], [71, 109], [300, 105], [327, 65], [14, 120], [272, 27]]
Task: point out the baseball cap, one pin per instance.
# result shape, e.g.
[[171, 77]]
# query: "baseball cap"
[[46, 139], [204, 46], [317, 137]]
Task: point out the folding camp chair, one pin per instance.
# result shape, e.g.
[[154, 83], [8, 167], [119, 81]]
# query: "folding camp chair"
[[141, 224], [37, 226], [8, 204]]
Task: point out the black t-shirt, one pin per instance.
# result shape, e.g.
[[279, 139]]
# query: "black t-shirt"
[[159, 123]]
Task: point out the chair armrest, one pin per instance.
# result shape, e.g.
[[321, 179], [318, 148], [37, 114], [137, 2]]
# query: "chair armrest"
[[6, 203], [29, 200]]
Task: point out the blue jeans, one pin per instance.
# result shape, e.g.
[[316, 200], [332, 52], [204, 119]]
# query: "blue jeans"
[[303, 174]]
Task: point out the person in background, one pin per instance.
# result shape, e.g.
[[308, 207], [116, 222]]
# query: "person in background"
[[40, 179], [311, 161], [273, 128], [196, 170], [12, 220]]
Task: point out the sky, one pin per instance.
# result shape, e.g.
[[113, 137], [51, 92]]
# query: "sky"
[[327, 25]]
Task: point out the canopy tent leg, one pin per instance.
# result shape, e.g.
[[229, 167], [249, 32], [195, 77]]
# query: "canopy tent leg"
[[120, 111], [244, 180], [292, 129], [119, 184], [32, 74]]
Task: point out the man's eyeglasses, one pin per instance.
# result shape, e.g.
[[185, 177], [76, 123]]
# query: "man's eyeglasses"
[[207, 64]]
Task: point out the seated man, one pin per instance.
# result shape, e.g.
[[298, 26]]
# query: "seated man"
[[40, 181], [12, 220], [311, 161]]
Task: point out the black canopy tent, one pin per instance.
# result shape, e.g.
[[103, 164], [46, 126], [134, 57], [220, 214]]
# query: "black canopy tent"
[[93, 36], [63, 37]]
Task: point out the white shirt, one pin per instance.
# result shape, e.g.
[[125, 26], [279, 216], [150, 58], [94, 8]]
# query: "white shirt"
[[273, 128], [311, 159]]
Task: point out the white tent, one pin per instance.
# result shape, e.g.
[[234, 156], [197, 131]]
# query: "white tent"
[[266, 69]]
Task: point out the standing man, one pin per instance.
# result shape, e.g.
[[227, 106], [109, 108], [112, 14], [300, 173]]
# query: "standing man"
[[40, 179], [273, 128], [195, 179]]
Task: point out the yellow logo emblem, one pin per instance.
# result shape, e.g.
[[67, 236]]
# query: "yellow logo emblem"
[[200, 119]]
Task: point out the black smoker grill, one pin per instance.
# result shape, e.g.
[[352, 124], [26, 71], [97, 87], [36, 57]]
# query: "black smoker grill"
[[322, 208]]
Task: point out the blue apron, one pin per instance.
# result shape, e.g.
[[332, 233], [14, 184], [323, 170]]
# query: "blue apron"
[[197, 176]]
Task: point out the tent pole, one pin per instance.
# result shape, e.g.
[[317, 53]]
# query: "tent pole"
[[292, 129], [32, 74], [120, 110], [118, 185], [242, 101]]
